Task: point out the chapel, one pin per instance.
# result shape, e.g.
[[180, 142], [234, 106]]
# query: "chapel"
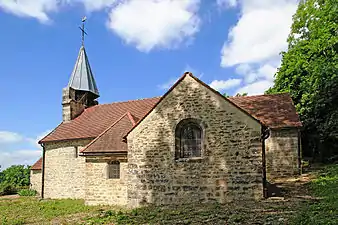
[[190, 145]]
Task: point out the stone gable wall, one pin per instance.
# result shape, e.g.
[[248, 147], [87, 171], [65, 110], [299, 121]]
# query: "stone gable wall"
[[36, 180], [231, 163], [282, 153], [103, 191], [64, 172]]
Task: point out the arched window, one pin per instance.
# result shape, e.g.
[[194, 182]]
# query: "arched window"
[[113, 170], [188, 138]]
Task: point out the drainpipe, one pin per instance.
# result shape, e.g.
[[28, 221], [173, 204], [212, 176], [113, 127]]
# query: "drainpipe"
[[265, 135], [43, 171], [299, 152]]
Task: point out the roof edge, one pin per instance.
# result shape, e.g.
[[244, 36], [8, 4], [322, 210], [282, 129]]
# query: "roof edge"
[[202, 83], [41, 140], [128, 114]]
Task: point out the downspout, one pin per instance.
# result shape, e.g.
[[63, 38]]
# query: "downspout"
[[299, 152], [43, 171], [265, 135]]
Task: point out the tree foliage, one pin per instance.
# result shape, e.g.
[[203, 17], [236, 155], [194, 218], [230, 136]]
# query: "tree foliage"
[[16, 176], [237, 95], [309, 72]]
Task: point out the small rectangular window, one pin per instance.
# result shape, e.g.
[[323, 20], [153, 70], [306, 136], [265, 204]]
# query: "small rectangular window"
[[114, 170]]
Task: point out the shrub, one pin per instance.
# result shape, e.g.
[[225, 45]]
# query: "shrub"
[[27, 192], [7, 189]]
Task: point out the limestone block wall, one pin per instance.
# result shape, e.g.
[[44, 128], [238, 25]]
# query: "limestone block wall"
[[231, 163], [100, 190], [282, 153], [64, 170], [36, 180]]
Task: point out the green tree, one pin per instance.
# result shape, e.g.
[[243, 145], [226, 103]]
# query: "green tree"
[[16, 176], [309, 72]]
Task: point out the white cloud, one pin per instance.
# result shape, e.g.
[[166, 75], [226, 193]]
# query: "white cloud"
[[38, 9], [19, 157], [255, 88], [255, 41], [146, 24], [12, 144], [260, 33], [94, 5], [10, 137], [221, 85], [150, 24]]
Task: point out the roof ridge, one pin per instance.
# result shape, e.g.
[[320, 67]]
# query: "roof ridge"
[[106, 130], [130, 116], [284, 93], [132, 100]]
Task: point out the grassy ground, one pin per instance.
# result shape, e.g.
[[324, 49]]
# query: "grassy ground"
[[323, 209], [310, 199]]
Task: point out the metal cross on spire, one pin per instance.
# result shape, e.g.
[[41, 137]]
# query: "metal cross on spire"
[[83, 29]]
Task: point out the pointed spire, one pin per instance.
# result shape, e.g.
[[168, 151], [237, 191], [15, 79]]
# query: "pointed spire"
[[82, 76]]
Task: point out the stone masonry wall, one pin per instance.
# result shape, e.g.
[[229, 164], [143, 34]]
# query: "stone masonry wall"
[[103, 191], [231, 163], [36, 180], [282, 153], [64, 172]]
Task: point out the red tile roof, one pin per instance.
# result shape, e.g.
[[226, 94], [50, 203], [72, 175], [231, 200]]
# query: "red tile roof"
[[37, 165], [275, 111], [111, 140], [94, 120]]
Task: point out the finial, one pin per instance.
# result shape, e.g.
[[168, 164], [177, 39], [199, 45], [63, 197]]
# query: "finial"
[[83, 29]]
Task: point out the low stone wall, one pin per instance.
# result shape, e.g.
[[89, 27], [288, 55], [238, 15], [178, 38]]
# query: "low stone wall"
[[99, 189], [282, 153], [36, 180], [64, 170]]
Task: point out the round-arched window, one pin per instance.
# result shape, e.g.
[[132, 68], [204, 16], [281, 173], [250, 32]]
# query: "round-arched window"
[[188, 139]]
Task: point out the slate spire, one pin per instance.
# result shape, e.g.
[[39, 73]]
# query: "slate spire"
[[81, 91], [82, 77]]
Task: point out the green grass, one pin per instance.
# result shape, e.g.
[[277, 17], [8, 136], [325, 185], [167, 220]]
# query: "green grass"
[[325, 209], [29, 210], [321, 209]]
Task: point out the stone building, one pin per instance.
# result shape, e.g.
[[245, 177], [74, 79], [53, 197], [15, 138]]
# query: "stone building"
[[190, 145], [36, 176]]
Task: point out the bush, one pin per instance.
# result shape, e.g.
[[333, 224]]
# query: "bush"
[[7, 189], [27, 192]]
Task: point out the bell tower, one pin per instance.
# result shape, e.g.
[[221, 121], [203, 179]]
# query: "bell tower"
[[81, 91]]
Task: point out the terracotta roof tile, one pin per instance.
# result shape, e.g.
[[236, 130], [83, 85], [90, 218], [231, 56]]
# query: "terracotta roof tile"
[[111, 140], [94, 120], [276, 110], [37, 165]]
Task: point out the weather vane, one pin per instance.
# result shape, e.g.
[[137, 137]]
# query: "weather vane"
[[83, 29]]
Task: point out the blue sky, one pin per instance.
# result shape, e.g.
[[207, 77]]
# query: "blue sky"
[[136, 48]]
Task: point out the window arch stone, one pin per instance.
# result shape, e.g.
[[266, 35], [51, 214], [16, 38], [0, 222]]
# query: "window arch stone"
[[188, 139]]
